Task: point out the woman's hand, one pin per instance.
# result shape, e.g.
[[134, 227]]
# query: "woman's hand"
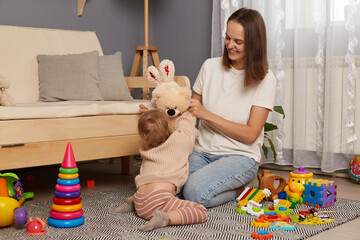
[[143, 108], [198, 110]]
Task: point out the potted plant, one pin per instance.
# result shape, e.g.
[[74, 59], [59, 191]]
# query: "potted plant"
[[268, 127]]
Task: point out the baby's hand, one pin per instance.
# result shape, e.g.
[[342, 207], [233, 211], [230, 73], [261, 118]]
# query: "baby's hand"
[[143, 108]]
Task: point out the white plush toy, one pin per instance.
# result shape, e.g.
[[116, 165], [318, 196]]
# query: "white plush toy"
[[168, 95], [5, 98]]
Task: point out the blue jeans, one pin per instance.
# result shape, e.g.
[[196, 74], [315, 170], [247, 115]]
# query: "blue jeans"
[[213, 178]]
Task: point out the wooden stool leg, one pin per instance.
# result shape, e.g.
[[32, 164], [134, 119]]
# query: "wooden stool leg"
[[127, 165], [143, 53], [145, 93], [155, 58], [112, 160], [145, 56], [136, 64]]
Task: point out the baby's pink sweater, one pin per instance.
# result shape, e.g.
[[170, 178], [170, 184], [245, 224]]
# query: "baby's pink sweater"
[[169, 161]]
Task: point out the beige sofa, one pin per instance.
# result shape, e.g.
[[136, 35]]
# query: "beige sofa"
[[36, 133]]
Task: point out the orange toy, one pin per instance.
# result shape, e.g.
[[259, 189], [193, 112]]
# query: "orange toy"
[[4, 192], [279, 217], [262, 234]]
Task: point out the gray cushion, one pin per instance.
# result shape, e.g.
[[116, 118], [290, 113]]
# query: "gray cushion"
[[69, 77], [112, 82]]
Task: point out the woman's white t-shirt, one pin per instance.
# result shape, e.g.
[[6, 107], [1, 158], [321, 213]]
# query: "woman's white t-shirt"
[[224, 94]]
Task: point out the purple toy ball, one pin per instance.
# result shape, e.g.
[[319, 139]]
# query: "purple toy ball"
[[21, 216]]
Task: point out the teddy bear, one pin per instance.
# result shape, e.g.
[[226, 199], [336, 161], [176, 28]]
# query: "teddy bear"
[[5, 98], [168, 95]]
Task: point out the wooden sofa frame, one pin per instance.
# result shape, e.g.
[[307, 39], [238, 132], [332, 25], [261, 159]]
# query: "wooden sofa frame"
[[39, 142]]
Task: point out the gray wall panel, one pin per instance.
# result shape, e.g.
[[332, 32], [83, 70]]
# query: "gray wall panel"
[[180, 29]]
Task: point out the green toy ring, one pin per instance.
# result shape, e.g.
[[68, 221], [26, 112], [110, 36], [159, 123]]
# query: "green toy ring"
[[68, 170]]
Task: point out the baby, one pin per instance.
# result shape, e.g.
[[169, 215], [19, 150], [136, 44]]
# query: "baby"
[[164, 170]]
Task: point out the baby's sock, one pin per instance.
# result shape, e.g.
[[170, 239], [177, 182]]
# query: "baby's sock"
[[127, 206], [159, 219]]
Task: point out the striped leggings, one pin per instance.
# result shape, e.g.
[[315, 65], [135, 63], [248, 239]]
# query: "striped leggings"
[[190, 212]]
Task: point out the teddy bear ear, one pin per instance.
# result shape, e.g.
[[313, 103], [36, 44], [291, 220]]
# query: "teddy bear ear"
[[157, 96], [4, 82], [167, 70], [153, 74]]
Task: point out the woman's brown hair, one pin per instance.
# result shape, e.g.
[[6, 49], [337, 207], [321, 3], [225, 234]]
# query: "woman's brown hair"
[[256, 63], [154, 129]]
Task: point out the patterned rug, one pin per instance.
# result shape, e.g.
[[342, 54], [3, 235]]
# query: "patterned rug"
[[223, 222]]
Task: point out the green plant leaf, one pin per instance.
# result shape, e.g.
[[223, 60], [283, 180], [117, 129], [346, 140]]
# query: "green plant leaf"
[[272, 148], [280, 110], [269, 127], [265, 150]]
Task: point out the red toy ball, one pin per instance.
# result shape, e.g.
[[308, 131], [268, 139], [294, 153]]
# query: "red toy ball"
[[354, 169], [35, 227]]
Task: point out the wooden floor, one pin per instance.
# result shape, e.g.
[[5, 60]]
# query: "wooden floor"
[[106, 176]]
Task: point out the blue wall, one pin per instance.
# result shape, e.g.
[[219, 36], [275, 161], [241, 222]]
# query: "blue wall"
[[180, 29]]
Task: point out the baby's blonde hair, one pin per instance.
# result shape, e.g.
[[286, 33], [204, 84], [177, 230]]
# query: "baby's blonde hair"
[[154, 129]]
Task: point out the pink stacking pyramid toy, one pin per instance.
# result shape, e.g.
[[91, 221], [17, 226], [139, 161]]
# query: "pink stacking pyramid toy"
[[67, 207], [69, 159]]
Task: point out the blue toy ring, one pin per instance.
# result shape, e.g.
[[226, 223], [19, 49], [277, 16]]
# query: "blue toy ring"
[[66, 223], [67, 194], [68, 182]]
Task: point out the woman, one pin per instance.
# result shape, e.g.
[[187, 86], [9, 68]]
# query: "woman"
[[233, 95]]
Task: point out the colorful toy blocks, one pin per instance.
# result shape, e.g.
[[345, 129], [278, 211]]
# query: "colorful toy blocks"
[[277, 209], [262, 235], [320, 193], [254, 194], [289, 226], [260, 223], [282, 195], [282, 202]]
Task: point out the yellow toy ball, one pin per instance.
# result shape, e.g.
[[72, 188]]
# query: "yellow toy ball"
[[7, 206]]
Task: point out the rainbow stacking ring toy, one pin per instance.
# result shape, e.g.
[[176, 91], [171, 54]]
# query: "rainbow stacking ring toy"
[[68, 170], [67, 188], [66, 223], [67, 207], [67, 194], [66, 215], [68, 176], [66, 201], [68, 182]]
